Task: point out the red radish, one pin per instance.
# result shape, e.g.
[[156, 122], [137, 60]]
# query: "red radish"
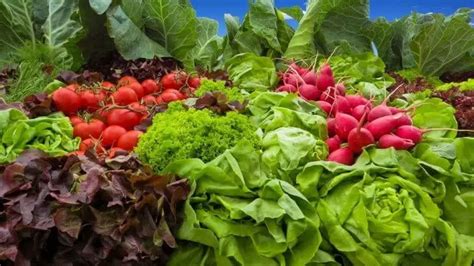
[[309, 92], [341, 89], [331, 126], [359, 138], [310, 78], [359, 111], [325, 81], [342, 105], [300, 70], [287, 88], [378, 111], [389, 140], [404, 120], [325, 106], [342, 156], [344, 124], [329, 95], [291, 79], [325, 69], [410, 132], [383, 125], [356, 100], [395, 110], [333, 143]]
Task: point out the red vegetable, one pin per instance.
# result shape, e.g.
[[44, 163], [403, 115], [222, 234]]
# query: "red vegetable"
[[359, 111], [112, 134], [333, 143], [138, 89], [149, 100], [383, 125], [174, 80], [126, 80], [404, 120], [91, 101], [379, 111], [124, 118], [194, 82], [341, 89], [129, 140], [91, 144], [291, 79], [287, 88], [342, 156], [93, 129], [389, 140], [331, 126], [149, 86], [344, 124], [310, 78], [67, 101], [309, 92], [124, 96], [326, 69], [325, 81], [325, 106], [341, 104], [75, 120], [359, 138], [410, 132], [356, 100]]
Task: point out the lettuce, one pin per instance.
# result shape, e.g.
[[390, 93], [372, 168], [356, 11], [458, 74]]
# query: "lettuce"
[[251, 72]]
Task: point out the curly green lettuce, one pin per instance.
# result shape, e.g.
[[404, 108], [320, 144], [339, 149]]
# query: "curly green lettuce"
[[233, 94], [182, 134]]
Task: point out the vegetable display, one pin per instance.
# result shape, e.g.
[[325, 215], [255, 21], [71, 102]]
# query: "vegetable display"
[[131, 133]]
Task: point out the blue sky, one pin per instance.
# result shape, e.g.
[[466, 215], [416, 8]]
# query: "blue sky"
[[391, 9]]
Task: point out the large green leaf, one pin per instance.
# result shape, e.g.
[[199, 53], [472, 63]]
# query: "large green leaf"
[[173, 24], [251, 72], [209, 44], [100, 6], [263, 22], [59, 28], [129, 40]]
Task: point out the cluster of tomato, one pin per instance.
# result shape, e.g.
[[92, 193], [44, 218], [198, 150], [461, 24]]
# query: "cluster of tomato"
[[105, 115]]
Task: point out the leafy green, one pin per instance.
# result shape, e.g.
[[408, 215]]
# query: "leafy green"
[[434, 113], [180, 134], [251, 72], [51, 134], [467, 85], [233, 94], [236, 215], [209, 44]]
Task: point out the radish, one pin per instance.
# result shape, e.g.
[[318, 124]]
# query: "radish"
[[404, 120], [287, 88], [342, 105], [359, 138], [342, 156], [331, 126], [341, 89], [389, 140], [344, 124], [410, 132], [300, 70], [325, 81], [333, 143], [325, 106], [395, 110], [359, 111], [379, 111], [291, 79], [383, 125], [309, 92], [310, 78], [356, 100], [329, 95], [325, 69]]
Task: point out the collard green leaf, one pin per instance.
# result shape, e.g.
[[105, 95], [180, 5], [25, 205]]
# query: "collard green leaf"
[[100, 6], [126, 35], [209, 44], [295, 12], [59, 28], [263, 22]]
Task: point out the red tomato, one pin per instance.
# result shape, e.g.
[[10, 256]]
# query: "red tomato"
[[67, 101], [124, 118], [169, 97], [91, 101], [137, 107], [194, 82], [159, 100], [149, 100], [126, 80], [75, 120], [150, 86], [178, 93], [72, 87], [93, 129], [112, 134], [108, 85], [138, 89], [174, 80], [91, 144], [129, 140], [124, 95]]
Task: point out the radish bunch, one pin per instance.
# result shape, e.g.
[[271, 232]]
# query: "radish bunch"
[[353, 122]]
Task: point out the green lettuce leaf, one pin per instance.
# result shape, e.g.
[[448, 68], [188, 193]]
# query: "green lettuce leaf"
[[251, 72]]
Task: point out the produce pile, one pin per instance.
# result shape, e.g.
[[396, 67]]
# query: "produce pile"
[[131, 136]]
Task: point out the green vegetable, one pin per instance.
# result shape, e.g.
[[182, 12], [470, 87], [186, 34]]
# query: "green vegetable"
[[180, 134], [251, 72], [467, 85], [51, 134], [236, 215], [233, 94], [434, 113]]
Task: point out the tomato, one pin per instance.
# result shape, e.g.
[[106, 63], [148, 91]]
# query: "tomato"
[[93, 129], [75, 120], [174, 80], [114, 152], [67, 101], [124, 95], [159, 100], [91, 101], [91, 144], [137, 107], [129, 140], [169, 97], [106, 84], [194, 82], [112, 134], [150, 86], [149, 100], [72, 87], [126, 80], [124, 118], [137, 87], [178, 93]]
